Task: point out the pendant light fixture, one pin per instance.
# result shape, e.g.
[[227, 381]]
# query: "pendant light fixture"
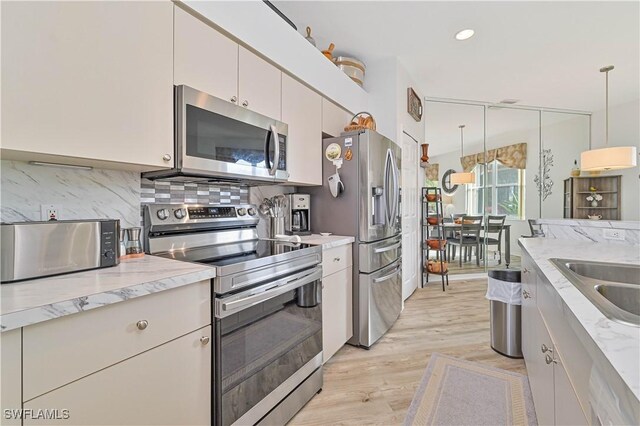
[[462, 178], [608, 158]]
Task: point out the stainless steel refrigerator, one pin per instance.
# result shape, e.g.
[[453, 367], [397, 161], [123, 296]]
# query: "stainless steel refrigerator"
[[367, 207]]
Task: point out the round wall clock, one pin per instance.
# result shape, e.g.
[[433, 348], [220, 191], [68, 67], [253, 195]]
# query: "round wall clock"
[[447, 186]]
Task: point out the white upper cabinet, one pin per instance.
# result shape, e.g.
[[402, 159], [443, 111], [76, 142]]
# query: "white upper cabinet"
[[302, 111], [88, 81], [334, 118], [204, 58], [259, 85]]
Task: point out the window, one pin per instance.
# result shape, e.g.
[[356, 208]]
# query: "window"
[[504, 191]]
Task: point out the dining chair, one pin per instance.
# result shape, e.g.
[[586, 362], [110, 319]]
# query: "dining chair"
[[468, 238], [494, 225], [536, 228]]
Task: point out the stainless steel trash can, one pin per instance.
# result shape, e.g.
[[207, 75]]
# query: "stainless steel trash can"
[[506, 327]]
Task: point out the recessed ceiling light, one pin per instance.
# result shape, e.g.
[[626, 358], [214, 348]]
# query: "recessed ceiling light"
[[464, 34]]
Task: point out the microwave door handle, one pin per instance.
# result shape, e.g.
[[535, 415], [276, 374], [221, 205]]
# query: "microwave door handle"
[[267, 146], [276, 155]]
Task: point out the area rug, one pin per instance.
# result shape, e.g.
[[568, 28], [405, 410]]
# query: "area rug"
[[458, 392]]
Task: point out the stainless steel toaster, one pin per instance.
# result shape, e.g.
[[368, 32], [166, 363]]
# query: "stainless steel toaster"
[[31, 250]]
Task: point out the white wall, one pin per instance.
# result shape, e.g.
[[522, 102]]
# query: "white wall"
[[624, 130]]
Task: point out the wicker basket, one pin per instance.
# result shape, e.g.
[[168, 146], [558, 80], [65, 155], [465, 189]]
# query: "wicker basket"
[[361, 121]]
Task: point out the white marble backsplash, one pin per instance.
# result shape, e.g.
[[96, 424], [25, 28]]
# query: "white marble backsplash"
[[81, 194], [590, 230]]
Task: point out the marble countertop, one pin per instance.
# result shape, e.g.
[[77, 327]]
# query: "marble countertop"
[[327, 242], [30, 302], [615, 224], [619, 343]]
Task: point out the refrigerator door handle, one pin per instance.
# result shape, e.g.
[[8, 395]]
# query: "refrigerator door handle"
[[387, 204], [396, 191], [388, 277]]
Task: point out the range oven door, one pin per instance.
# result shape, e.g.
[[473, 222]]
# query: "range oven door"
[[268, 340], [215, 137]]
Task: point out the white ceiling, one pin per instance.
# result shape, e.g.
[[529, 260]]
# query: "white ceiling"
[[542, 53]]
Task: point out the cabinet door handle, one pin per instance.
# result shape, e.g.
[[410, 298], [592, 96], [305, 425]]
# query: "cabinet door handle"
[[142, 324], [204, 340], [549, 359], [245, 104], [234, 99], [544, 348], [526, 294], [166, 157], [525, 271], [336, 259]]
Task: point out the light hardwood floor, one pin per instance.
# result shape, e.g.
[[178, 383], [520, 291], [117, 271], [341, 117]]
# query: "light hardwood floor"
[[376, 386]]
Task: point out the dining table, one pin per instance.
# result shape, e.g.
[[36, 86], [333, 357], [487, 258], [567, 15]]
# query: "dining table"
[[452, 227]]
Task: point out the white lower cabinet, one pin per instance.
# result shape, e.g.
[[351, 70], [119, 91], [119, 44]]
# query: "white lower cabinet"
[[555, 398], [167, 385], [11, 375], [337, 311], [337, 299]]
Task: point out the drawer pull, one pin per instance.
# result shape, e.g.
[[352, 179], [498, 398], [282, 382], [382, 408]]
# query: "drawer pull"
[[549, 359], [245, 104], [525, 271], [234, 99], [142, 324], [204, 340], [544, 348], [526, 294], [336, 259]]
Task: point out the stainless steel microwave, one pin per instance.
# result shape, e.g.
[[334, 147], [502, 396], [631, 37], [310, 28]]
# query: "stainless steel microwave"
[[218, 141]]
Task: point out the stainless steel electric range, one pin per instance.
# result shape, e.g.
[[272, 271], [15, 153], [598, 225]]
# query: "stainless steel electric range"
[[267, 308]]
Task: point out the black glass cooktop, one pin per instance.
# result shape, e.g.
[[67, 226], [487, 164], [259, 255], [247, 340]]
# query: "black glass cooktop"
[[234, 253]]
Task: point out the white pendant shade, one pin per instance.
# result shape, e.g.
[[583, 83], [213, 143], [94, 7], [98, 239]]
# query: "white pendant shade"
[[462, 178], [611, 158]]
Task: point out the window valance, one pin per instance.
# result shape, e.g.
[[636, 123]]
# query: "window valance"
[[513, 156]]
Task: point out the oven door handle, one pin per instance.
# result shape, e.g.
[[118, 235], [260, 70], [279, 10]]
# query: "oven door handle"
[[224, 309]]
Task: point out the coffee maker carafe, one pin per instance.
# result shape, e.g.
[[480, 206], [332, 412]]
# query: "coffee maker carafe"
[[298, 218]]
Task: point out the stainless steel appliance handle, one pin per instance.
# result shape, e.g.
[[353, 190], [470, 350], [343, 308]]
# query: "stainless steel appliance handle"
[[386, 277], [396, 191], [271, 290], [387, 207], [387, 248], [276, 155]]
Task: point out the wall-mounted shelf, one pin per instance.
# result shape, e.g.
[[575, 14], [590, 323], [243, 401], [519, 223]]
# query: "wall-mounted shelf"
[[576, 191]]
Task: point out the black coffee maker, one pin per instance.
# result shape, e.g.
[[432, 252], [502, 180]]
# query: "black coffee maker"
[[298, 217]]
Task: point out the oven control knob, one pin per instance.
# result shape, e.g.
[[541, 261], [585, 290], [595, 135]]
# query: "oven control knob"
[[163, 214], [180, 213], [242, 211], [251, 211]]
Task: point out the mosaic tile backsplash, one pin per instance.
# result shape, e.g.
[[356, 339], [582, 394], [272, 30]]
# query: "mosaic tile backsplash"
[[192, 193]]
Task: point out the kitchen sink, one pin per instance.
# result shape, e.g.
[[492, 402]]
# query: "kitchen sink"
[[613, 288]]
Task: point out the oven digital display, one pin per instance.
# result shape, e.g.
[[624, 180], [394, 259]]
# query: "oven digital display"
[[211, 212]]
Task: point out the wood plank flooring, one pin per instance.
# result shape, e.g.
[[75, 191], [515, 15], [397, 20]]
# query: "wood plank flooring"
[[376, 386]]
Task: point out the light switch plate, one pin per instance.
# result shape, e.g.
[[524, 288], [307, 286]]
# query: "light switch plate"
[[614, 234]]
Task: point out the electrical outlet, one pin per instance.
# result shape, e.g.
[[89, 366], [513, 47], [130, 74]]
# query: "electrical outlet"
[[49, 212], [614, 234]]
